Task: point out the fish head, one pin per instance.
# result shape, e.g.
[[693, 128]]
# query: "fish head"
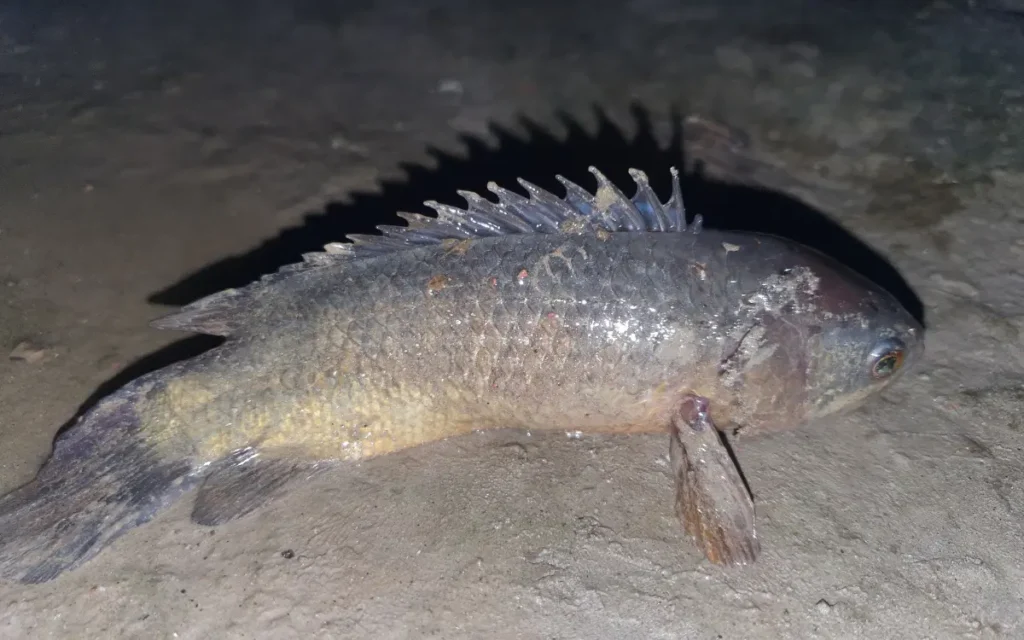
[[866, 341], [817, 339]]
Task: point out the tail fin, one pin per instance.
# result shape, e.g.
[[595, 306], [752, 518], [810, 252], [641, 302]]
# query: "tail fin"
[[101, 481]]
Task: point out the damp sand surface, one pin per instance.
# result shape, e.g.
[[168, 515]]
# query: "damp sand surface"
[[149, 156]]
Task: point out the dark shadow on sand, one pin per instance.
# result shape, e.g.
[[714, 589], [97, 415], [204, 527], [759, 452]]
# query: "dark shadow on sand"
[[536, 155]]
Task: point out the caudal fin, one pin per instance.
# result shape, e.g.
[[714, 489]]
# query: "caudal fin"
[[101, 481]]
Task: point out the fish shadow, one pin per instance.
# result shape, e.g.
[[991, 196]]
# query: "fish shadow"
[[536, 154]]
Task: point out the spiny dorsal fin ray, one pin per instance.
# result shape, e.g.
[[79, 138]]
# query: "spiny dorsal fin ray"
[[540, 212], [578, 198], [619, 211], [483, 206], [675, 208], [517, 206], [647, 203]]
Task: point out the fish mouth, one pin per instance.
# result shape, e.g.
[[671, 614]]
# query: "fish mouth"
[[912, 337]]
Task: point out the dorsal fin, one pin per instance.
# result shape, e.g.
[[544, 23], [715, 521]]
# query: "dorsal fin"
[[214, 315], [541, 211]]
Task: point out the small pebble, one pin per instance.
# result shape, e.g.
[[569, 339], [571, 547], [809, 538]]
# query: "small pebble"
[[954, 286], [341, 143], [450, 86], [27, 352]]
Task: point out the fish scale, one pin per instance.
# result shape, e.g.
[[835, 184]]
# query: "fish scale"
[[598, 313], [429, 339], [409, 367]]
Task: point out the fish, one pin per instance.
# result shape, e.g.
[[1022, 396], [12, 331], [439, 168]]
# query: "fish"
[[590, 312]]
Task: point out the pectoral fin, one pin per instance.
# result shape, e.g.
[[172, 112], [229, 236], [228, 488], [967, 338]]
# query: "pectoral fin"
[[243, 482], [712, 499]]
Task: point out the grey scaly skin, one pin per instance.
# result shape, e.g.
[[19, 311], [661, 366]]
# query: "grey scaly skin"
[[597, 313]]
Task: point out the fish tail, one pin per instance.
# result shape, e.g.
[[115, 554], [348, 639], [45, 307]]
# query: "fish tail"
[[101, 480]]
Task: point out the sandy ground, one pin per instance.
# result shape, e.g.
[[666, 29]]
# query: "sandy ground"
[[150, 156]]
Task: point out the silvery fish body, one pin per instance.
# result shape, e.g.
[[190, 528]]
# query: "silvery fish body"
[[598, 313]]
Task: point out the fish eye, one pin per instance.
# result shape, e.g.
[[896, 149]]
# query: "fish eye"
[[886, 358]]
